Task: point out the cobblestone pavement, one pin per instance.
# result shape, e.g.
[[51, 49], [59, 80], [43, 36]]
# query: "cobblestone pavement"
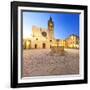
[[39, 62]]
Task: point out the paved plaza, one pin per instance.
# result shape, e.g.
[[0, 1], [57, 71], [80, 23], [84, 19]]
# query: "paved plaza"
[[39, 62]]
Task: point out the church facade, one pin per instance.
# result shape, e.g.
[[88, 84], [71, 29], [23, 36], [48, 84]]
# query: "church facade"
[[44, 38]]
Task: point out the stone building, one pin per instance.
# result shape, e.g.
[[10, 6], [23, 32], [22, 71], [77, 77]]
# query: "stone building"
[[44, 38], [72, 41], [41, 37]]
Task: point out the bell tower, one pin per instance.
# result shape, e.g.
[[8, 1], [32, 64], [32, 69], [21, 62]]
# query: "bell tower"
[[51, 28]]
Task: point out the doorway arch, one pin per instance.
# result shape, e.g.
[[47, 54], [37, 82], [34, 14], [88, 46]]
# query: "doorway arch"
[[43, 45], [35, 45]]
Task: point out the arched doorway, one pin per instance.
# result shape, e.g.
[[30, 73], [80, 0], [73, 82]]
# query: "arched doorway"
[[50, 46], [43, 45], [28, 44], [35, 45]]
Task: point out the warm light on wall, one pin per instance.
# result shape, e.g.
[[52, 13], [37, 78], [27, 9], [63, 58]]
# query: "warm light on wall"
[[27, 44]]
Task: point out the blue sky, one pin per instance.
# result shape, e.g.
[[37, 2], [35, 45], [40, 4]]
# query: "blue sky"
[[65, 24]]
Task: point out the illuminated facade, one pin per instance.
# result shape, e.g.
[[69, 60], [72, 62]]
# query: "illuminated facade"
[[73, 41], [44, 38]]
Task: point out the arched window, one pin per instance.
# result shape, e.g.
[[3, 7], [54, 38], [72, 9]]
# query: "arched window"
[[50, 40]]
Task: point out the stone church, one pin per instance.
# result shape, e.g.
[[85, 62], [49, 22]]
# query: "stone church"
[[44, 38], [41, 37]]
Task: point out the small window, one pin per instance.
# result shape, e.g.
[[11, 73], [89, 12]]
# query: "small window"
[[50, 40]]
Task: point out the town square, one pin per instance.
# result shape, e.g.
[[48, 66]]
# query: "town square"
[[46, 53]]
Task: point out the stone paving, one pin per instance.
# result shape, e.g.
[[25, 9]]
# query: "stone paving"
[[39, 62]]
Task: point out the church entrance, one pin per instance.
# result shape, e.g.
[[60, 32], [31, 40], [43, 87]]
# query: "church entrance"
[[43, 45], [50, 46], [35, 45]]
